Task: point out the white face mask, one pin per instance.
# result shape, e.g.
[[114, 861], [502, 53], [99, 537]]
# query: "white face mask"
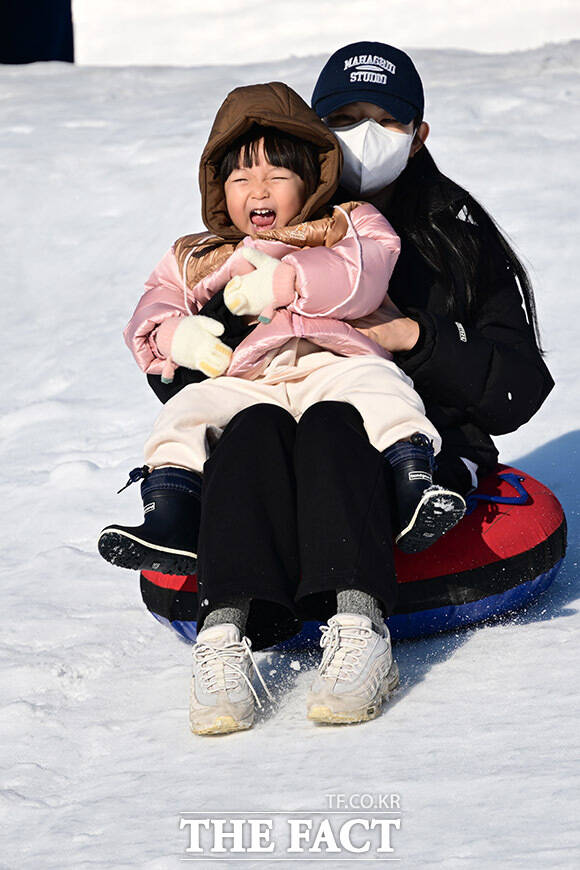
[[373, 155]]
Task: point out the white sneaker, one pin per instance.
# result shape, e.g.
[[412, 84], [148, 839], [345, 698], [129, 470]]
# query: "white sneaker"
[[356, 673], [222, 695]]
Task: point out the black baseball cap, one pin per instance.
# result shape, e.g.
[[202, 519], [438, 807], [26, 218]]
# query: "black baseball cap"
[[371, 72]]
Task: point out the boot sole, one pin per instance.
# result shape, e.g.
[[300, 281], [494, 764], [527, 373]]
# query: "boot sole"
[[323, 714], [436, 514], [222, 725], [125, 550]]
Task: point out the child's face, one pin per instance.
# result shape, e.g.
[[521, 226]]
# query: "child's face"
[[263, 196]]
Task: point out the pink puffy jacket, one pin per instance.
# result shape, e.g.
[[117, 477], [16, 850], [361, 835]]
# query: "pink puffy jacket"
[[335, 284]]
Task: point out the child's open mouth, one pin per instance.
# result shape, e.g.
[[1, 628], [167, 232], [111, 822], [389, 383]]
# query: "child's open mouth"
[[263, 218]]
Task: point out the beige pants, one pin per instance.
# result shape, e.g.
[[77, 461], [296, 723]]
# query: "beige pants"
[[378, 389]]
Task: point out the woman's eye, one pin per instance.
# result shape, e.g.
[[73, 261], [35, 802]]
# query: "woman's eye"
[[393, 125]]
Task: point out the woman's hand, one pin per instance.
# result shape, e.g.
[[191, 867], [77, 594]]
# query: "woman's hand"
[[395, 332]]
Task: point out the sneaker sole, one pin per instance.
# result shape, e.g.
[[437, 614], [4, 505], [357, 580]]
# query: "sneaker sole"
[[434, 516], [125, 550], [323, 714], [222, 725]]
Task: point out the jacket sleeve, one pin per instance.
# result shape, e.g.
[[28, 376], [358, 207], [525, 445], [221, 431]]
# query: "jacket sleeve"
[[492, 370], [349, 279], [163, 298]]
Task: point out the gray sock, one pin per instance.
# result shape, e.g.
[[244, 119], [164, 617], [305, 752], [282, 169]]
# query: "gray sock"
[[355, 601], [235, 610]]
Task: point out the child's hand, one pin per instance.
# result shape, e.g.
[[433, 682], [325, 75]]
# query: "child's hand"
[[193, 343], [271, 285]]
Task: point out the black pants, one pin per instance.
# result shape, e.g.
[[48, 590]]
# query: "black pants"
[[290, 512]]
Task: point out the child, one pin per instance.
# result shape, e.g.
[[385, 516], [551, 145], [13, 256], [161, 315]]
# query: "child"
[[269, 166]]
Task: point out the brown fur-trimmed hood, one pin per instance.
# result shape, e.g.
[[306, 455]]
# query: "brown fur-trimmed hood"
[[271, 105]]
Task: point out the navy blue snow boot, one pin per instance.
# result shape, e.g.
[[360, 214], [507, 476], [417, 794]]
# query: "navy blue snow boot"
[[425, 510], [167, 540]]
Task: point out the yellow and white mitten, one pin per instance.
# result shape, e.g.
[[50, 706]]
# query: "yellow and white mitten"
[[271, 285], [193, 343]]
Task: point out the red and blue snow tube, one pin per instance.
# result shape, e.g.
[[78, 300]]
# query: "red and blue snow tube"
[[502, 555]]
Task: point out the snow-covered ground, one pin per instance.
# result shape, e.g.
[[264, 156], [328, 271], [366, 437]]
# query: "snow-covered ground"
[[98, 176], [241, 31]]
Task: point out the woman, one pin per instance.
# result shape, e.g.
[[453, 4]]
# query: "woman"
[[307, 517], [454, 320]]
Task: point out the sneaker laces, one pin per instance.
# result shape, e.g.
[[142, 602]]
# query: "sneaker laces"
[[343, 646], [218, 666]]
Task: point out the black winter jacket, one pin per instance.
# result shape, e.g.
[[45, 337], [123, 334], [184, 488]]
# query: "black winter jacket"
[[480, 375]]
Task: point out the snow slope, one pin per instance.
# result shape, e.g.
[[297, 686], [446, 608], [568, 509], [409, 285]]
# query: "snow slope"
[[98, 176], [192, 32]]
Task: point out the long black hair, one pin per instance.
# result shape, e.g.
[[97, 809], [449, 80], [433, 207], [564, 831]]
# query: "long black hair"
[[456, 236]]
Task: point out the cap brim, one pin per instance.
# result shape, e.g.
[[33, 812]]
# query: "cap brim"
[[401, 110]]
